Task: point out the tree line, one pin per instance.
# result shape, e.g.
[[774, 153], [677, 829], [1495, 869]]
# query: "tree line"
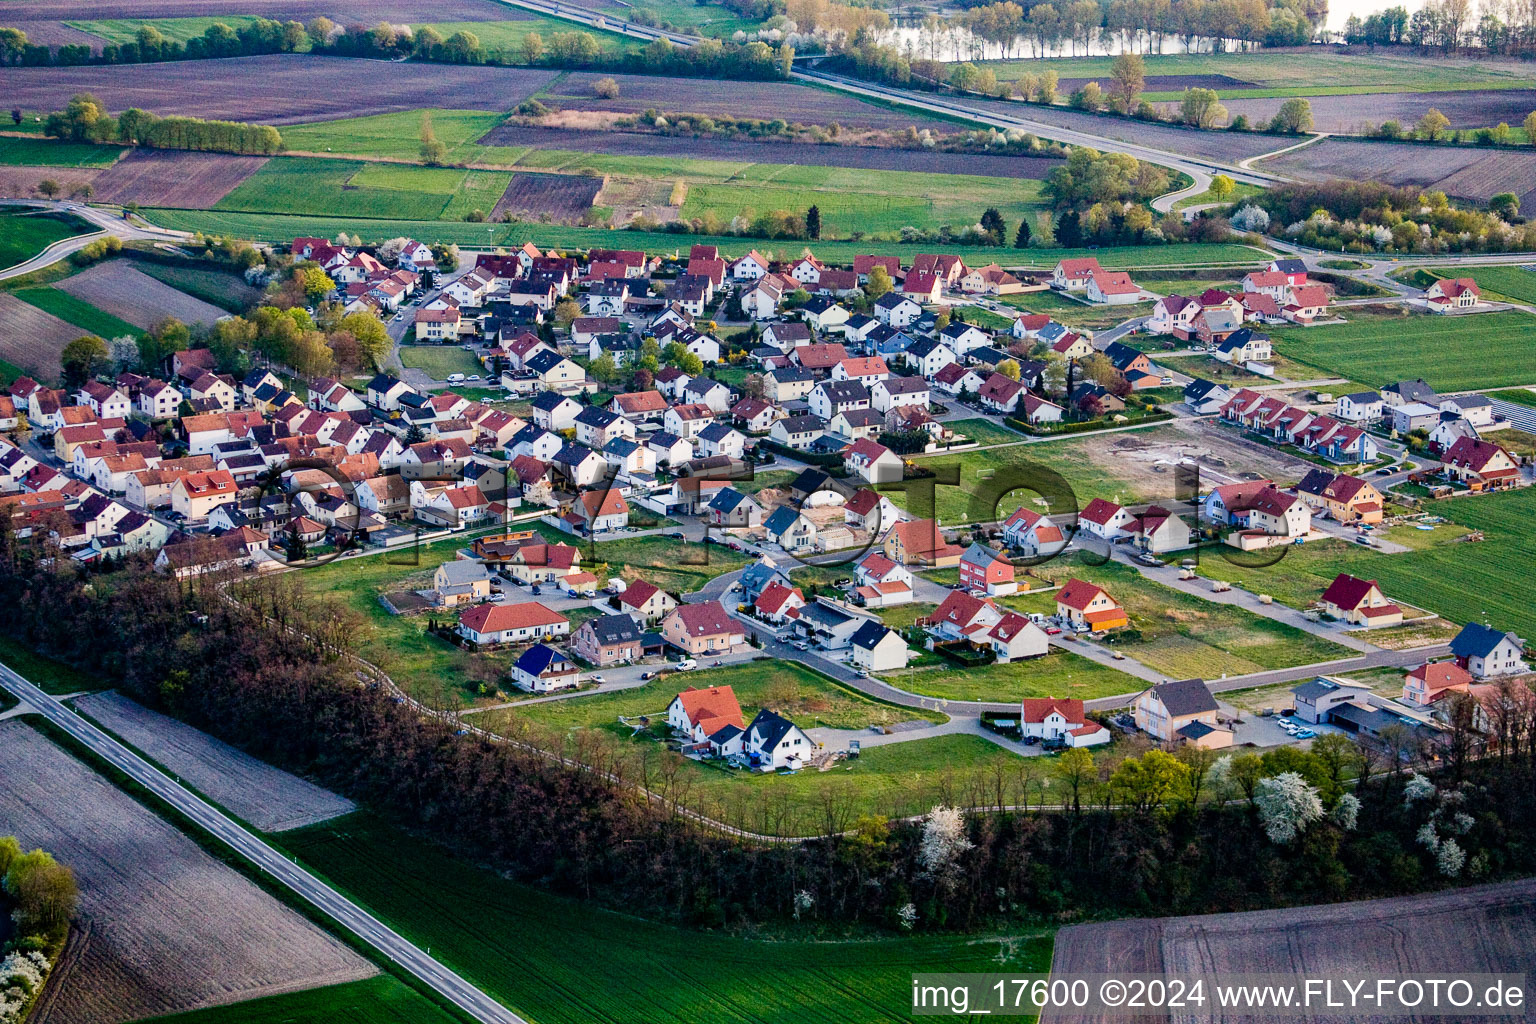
[[1449, 25], [85, 119], [150, 45]]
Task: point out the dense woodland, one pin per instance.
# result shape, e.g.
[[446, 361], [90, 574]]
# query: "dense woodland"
[[266, 673]]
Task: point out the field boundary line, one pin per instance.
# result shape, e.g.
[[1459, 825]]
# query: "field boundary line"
[[1315, 138]]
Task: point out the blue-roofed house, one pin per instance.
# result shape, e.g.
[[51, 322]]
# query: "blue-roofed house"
[[541, 669]]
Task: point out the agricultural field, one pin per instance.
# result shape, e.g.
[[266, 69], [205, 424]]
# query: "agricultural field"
[[76, 311], [140, 299], [253, 791], [747, 151], [53, 153], [31, 339], [283, 227], [163, 926], [1057, 674], [395, 136], [768, 100], [167, 178], [808, 698], [1466, 173], [1360, 113], [558, 197], [1372, 935], [1296, 74], [537, 952], [295, 87], [26, 231], [507, 35], [347, 188], [438, 361], [1451, 353], [216, 287], [381, 1000], [1127, 466]]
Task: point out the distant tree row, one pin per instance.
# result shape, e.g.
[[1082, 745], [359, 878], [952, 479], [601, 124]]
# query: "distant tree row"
[[150, 45], [85, 119]]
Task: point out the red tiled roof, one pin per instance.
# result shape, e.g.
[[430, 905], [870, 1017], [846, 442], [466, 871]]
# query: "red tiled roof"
[[1078, 594], [495, 618]]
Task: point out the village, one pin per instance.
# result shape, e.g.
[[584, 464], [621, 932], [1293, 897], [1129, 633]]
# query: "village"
[[613, 405]]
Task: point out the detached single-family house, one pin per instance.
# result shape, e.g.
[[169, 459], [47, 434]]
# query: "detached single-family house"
[[1487, 652], [511, 623], [1360, 602], [1086, 606], [1448, 295], [1183, 711], [702, 629], [872, 462], [1060, 720], [1481, 465], [920, 542], [985, 571], [1339, 496], [1032, 534], [1105, 520], [608, 640], [541, 669], [876, 647], [1073, 275], [460, 581], [773, 741]]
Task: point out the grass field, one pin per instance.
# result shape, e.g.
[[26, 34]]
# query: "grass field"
[[279, 227], [789, 688], [78, 312], [381, 1000], [1298, 74], [1058, 674], [126, 30], [394, 135], [51, 676], [1520, 396], [440, 360], [984, 431], [1240, 191], [559, 962], [1463, 582], [52, 153], [1513, 284], [25, 232], [508, 36], [702, 18], [1078, 315], [347, 188], [1451, 353]]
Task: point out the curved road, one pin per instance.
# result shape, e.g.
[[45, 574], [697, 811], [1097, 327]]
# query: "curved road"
[[370, 929], [106, 223]]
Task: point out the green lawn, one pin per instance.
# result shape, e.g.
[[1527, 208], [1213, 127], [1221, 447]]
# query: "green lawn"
[[808, 698], [1058, 674], [78, 312], [1240, 191], [1185, 636], [279, 227], [1520, 396], [381, 1000], [984, 431], [1513, 284], [1452, 353], [440, 360], [1076, 314], [26, 231], [1461, 581], [559, 962], [52, 153], [1299, 74]]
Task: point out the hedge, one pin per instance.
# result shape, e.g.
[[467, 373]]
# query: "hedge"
[[1082, 426]]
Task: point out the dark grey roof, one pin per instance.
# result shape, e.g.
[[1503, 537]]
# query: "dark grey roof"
[[809, 480], [869, 635], [664, 439], [1477, 640], [543, 360], [890, 300], [772, 727], [841, 391], [592, 416], [1185, 697], [716, 432], [791, 374], [614, 629], [1363, 397], [1197, 389], [1291, 266], [920, 348], [862, 417], [571, 454], [1309, 691], [727, 500], [1196, 730], [782, 519], [904, 385], [1414, 391], [548, 401], [802, 424]]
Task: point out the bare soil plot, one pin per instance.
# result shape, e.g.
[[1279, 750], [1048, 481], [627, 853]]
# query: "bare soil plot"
[[120, 289], [53, 33], [753, 151], [163, 927], [189, 181], [19, 181], [560, 197], [267, 797], [1485, 929], [1350, 113], [1225, 146], [765, 100], [1462, 172], [32, 339], [274, 88]]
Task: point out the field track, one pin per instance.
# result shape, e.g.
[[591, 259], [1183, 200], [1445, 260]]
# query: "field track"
[[1485, 929], [163, 926], [268, 798], [136, 297], [276, 88], [31, 338]]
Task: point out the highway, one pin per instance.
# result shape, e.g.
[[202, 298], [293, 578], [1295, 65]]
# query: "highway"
[[370, 929]]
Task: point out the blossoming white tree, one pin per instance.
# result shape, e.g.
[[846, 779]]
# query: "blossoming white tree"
[[942, 844], [1287, 805], [1346, 813]]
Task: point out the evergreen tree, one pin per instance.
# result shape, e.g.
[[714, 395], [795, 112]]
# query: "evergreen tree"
[[1069, 230], [1021, 240], [813, 222], [992, 224]]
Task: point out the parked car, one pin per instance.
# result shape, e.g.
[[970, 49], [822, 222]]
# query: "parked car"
[[1053, 630], [687, 665], [596, 679]]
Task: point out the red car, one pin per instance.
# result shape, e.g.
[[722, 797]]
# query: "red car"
[[1052, 631]]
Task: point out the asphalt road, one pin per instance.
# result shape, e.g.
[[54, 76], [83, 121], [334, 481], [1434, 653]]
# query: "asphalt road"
[[106, 224], [369, 928]]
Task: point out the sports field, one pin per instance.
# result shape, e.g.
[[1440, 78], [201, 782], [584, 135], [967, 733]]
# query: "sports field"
[[1452, 353], [539, 953]]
